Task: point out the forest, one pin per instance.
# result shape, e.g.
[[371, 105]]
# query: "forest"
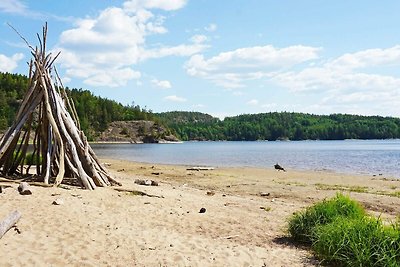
[[95, 113], [280, 126]]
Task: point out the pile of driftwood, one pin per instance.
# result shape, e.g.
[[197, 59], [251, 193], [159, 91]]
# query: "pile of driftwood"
[[47, 121]]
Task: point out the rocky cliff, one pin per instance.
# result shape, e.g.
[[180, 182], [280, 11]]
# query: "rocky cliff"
[[136, 132]]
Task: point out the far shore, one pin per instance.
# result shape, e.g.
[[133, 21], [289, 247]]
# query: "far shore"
[[244, 223], [136, 142]]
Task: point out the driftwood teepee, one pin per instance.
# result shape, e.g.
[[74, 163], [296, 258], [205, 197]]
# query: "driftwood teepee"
[[47, 121]]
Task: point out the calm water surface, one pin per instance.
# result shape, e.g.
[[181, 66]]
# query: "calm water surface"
[[349, 156]]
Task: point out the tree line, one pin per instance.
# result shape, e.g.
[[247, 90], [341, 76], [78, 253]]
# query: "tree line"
[[94, 112], [281, 126]]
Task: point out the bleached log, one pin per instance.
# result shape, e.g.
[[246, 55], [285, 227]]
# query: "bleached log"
[[54, 128], [9, 222], [66, 127]]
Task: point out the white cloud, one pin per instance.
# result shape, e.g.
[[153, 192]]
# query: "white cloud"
[[345, 72], [198, 38], [103, 50], [366, 58], [180, 50], [253, 102], [230, 69], [162, 84], [347, 83], [13, 6], [168, 5], [212, 27], [112, 78], [9, 64], [175, 98], [18, 7], [66, 80], [352, 83]]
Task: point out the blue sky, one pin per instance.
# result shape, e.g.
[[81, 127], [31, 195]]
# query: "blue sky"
[[224, 57]]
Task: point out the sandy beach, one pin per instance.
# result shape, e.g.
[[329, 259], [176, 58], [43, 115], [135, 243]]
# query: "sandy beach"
[[244, 223]]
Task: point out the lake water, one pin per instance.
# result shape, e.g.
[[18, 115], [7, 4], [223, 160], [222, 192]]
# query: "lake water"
[[372, 157]]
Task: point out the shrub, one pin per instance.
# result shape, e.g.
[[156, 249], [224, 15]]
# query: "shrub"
[[302, 224], [358, 242]]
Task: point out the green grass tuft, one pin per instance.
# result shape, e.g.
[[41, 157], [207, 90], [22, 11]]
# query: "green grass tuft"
[[341, 234], [358, 242], [301, 225]]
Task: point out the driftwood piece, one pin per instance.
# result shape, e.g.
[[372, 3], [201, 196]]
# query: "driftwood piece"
[[135, 192], [198, 168], [24, 189], [9, 222]]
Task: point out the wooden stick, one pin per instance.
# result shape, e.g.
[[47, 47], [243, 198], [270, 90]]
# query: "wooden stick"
[[9, 222]]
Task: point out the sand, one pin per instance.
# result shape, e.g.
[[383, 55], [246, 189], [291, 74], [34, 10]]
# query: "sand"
[[240, 227]]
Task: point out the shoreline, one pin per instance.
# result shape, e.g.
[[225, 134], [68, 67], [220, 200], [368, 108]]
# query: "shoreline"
[[321, 171], [244, 224], [361, 160]]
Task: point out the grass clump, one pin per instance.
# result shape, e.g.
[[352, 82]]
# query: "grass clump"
[[341, 233], [358, 242], [302, 224]]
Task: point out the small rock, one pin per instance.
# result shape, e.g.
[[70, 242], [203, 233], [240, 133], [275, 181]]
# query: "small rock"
[[156, 173], [58, 201], [24, 189], [264, 194], [210, 193], [16, 229], [146, 182], [202, 210]]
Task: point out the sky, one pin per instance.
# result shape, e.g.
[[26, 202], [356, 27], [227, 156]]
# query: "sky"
[[221, 57]]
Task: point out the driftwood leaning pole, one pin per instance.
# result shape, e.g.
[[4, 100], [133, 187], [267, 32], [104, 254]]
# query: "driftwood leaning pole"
[[47, 120]]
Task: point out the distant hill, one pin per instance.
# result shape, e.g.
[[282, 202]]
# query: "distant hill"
[[280, 126], [182, 117]]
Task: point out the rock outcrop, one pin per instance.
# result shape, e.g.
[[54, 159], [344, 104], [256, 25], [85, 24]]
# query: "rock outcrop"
[[136, 132]]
